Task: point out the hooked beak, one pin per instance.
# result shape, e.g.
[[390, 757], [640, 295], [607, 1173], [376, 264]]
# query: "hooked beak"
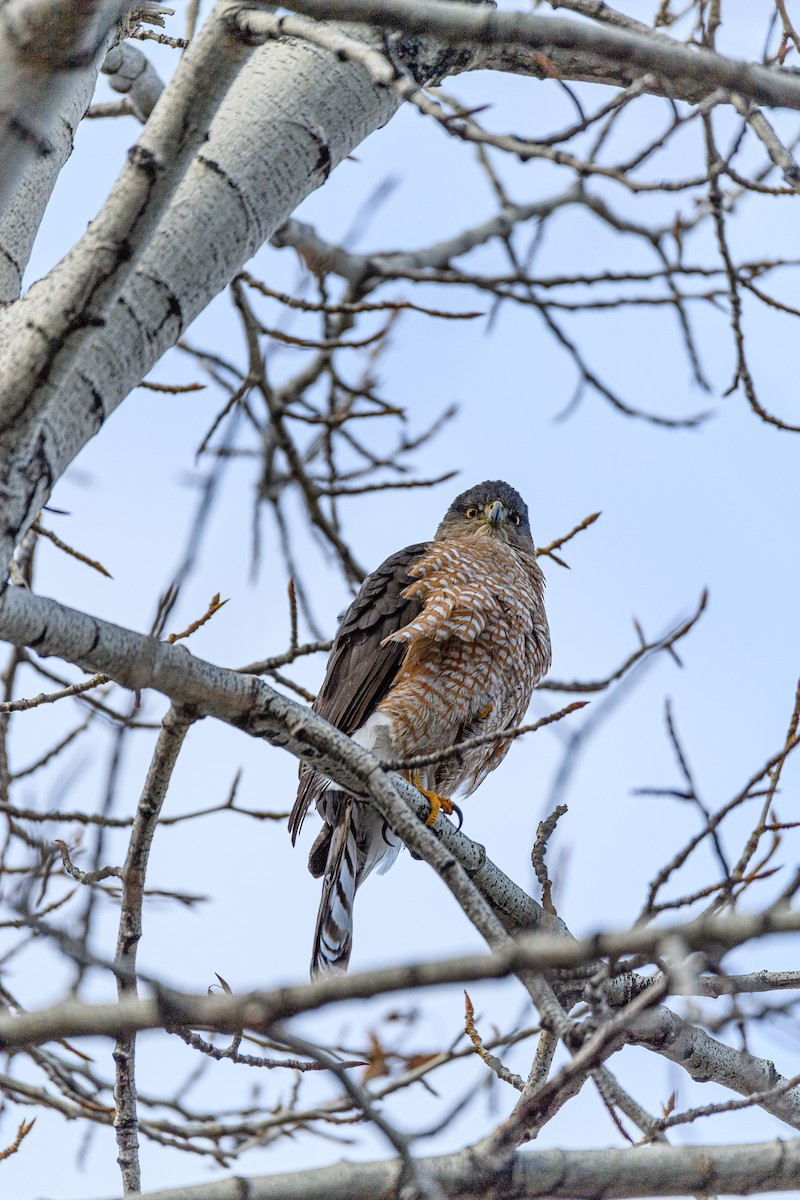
[[495, 513]]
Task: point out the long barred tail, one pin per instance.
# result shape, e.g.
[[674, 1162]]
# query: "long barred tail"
[[333, 936], [353, 841]]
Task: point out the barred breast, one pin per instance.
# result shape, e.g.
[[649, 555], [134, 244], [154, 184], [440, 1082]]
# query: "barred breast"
[[474, 655]]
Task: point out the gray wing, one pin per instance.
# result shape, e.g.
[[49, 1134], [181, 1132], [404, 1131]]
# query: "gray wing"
[[361, 670]]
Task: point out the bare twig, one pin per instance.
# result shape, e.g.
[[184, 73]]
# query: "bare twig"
[[493, 1063], [90, 562], [214, 606], [483, 739], [543, 834], [74, 689]]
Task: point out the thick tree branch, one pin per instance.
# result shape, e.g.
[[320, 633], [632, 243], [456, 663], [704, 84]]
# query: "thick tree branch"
[[138, 662], [41, 44], [276, 137], [19, 223], [705, 1057], [60, 315], [260, 1010], [692, 71], [653, 1171], [292, 114]]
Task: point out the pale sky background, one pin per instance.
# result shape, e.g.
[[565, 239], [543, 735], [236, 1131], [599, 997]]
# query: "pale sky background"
[[681, 511]]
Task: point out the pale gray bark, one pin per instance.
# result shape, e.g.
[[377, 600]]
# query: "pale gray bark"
[[692, 71], [132, 74], [704, 1058], [259, 1010], [126, 1118], [42, 43], [20, 221], [653, 1170], [140, 662], [57, 318], [276, 137]]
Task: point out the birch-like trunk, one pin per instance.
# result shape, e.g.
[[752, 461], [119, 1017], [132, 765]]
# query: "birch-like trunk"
[[294, 112]]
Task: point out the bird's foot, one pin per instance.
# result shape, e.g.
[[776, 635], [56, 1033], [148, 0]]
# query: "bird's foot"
[[438, 803]]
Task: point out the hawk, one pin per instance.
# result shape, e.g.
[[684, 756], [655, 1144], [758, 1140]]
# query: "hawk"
[[445, 640]]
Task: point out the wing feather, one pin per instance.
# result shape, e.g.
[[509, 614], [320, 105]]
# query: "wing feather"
[[362, 666]]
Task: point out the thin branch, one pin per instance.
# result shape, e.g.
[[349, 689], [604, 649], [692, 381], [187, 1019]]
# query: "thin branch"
[[88, 878], [90, 562], [215, 604], [492, 1061], [645, 649], [126, 1121], [483, 739], [74, 689], [547, 551], [543, 835]]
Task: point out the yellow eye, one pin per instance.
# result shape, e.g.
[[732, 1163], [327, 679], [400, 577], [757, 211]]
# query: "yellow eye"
[[515, 518], [471, 512]]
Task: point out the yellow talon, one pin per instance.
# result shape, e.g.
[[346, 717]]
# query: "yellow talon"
[[438, 803]]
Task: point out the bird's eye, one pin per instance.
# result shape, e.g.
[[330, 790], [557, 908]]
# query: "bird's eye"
[[471, 512], [515, 518]]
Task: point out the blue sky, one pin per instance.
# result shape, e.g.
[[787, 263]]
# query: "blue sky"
[[681, 511]]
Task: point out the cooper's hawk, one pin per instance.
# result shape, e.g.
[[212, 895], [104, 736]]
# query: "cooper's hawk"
[[445, 640]]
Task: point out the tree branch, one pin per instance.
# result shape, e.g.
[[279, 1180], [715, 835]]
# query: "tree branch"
[[258, 1011], [691, 71], [41, 43], [133, 75], [58, 318], [275, 138], [658, 1170], [126, 1119]]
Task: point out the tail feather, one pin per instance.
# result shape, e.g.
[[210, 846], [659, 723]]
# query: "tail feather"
[[333, 936], [356, 840], [318, 854]]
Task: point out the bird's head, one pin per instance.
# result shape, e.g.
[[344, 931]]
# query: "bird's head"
[[489, 509]]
